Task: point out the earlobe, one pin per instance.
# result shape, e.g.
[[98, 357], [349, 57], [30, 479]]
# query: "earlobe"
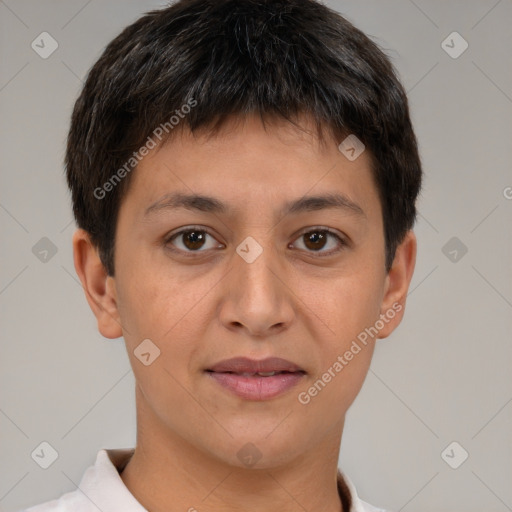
[[397, 284], [99, 288]]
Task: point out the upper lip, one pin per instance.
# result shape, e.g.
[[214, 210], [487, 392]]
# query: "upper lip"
[[246, 365]]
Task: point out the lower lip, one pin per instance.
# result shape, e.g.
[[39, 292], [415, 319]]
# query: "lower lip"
[[257, 387]]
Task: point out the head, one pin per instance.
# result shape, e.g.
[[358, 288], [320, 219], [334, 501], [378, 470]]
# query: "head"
[[246, 103]]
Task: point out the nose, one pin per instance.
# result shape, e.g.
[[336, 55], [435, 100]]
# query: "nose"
[[256, 296]]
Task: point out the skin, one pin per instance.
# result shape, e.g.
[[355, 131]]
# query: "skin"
[[291, 302]]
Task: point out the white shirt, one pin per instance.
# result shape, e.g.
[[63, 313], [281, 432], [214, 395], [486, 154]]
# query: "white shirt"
[[102, 488]]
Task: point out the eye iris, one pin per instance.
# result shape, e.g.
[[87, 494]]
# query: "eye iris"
[[316, 238], [193, 239]]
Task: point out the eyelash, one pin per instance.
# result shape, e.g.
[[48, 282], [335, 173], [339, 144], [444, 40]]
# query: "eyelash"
[[316, 229]]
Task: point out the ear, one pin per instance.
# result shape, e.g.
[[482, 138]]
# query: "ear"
[[397, 285], [98, 286]]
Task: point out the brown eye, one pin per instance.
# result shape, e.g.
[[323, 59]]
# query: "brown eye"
[[316, 240], [192, 240]]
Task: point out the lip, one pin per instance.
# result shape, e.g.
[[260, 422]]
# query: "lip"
[[230, 375], [247, 365]]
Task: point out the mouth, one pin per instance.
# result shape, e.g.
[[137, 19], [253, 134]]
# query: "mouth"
[[244, 365], [256, 380], [256, 374]]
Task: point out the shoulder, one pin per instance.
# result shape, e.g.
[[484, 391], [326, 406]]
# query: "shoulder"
[[366, 507], [72, 501], [101, 487], [353, 502]]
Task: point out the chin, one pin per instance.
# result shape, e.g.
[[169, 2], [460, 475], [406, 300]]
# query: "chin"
[[261, 451]]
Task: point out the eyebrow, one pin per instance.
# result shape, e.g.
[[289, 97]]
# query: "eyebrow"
[[210, 204]]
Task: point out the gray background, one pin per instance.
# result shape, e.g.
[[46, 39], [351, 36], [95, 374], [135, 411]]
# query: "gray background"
[[443, 376]]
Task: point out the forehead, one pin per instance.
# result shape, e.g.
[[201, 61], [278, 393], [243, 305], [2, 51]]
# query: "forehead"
[[247, 162]]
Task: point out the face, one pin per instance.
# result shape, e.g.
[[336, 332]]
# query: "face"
[[253, 269]]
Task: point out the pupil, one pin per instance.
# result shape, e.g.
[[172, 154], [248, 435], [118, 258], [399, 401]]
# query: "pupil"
[[194, 239], [314, 238]]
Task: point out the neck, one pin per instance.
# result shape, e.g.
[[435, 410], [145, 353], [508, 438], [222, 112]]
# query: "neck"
[[168, 473]]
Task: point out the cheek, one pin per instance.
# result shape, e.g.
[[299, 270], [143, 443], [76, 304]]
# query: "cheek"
[[174, 312], [349, 306], [345, 305], [158, 304], [345, 349], [170, 314]]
